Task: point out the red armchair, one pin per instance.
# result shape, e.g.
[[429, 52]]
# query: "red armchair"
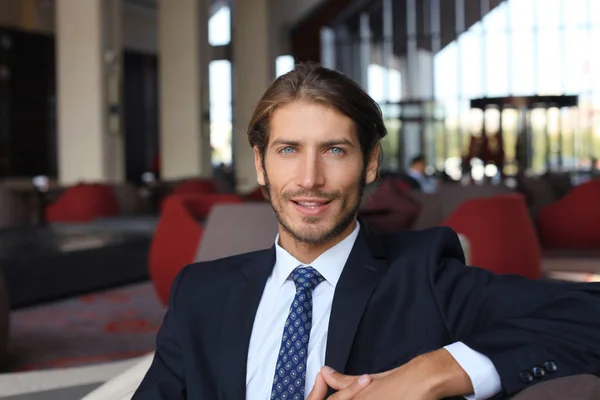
[[573, 222], [501, 236], [195, 186], [83, 203], [177, 237]]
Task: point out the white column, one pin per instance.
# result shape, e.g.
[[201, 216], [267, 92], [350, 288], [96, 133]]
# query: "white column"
[[89, 70], [184, 109], [253, 67]]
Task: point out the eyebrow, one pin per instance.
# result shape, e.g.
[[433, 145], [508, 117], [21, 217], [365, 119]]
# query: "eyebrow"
[[327, 143]]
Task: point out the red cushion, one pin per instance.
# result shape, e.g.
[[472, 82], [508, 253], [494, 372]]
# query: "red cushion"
[[178, 236], [574, 221], [501, 235], [390, 208], [201, 204], [174, 244], [83, 203], [196, 186]]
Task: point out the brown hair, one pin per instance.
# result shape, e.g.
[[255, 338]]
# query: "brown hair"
[[311, 82]]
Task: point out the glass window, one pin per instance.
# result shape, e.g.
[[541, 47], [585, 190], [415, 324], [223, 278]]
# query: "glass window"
[[521, 16], [548, 14], [220, 111], [385, 85], [594, 60], [471, 64], [567, 136], [496, 47], [594, 9], [576, 61], [283, 65], [446, 73], [549, 76], [496, 20], [538, 140], [376, 82], [575, 13], [219, 27], [522, 66]]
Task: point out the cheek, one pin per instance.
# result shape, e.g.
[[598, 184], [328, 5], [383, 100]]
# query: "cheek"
[[278, 177], [344, 176]]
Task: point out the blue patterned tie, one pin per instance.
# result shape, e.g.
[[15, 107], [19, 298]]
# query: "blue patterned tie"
[[290, 374]]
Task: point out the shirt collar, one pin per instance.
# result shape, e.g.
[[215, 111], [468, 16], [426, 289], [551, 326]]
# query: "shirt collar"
[[329, 264]]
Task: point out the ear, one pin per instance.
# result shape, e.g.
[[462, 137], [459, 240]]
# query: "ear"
[[373, 165], [258, 164]]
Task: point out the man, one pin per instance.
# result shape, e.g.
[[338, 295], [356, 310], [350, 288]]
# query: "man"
[[416, 177], [333, 309]]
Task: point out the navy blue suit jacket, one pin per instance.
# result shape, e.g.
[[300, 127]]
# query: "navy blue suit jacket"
[[399, 296]]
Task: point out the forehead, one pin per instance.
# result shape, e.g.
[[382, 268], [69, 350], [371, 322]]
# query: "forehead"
[[305, 121]]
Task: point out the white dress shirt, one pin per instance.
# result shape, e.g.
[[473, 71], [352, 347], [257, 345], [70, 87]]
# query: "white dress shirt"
[[273, 311]]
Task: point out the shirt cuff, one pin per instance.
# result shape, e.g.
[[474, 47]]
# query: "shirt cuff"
[[480, 369]]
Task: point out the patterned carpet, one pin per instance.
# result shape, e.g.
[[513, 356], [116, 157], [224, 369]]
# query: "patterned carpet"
[[105, 326]]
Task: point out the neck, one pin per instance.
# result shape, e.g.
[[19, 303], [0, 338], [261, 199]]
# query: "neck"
[[306, 253]]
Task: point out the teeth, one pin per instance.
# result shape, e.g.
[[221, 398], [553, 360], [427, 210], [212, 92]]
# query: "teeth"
[[309, 205]]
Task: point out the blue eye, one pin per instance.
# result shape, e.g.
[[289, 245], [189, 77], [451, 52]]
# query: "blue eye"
[[287, 150], [336, 150]]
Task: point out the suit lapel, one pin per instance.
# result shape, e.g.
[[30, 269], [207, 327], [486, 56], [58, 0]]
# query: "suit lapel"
[[362, 273], [238, 318]]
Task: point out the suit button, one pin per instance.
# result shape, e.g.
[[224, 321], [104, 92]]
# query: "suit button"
[[525, 377], [550, 366], [538, 372]]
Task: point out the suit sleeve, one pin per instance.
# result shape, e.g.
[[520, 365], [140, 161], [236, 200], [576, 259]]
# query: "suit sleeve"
[[531, 330], [165, 380]]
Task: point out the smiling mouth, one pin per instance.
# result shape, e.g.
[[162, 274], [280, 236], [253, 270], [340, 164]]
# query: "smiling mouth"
[[312, 204], [311, 207]]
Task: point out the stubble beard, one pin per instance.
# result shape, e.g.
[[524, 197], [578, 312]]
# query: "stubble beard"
[[349, 212]]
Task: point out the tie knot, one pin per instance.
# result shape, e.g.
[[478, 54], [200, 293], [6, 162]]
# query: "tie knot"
[[306, 278]]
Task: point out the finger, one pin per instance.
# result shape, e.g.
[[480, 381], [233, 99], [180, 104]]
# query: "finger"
[[351, 391], [319, 390], [337, 380]]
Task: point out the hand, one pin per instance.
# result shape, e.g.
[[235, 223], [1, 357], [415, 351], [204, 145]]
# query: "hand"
[[431, 376], [399, 383], [351, 385]]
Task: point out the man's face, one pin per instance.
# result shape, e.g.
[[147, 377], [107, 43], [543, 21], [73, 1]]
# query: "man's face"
[[314, 171], [419, 166]]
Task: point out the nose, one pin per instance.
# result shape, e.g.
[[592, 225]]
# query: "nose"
[[311, 172]]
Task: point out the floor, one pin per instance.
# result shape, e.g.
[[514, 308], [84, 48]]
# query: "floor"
[[105, 326]]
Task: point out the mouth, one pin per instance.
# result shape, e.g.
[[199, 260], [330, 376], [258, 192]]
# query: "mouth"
[[311, 206]]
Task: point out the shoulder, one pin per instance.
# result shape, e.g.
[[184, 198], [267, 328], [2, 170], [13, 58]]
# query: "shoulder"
[[429, 244], [216, 274]]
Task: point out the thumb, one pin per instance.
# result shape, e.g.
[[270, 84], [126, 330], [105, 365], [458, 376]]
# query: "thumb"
[[337, 380], [319, 390]]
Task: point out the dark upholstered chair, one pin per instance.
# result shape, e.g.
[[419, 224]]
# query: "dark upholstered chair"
[[12, 211], [390, 207], [578, 387], [431, 210]]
